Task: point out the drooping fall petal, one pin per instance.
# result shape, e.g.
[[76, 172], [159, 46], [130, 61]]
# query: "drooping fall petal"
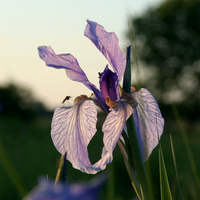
[[114, 124], [148, 121], [107, 43], [112, 129], [72, 130]]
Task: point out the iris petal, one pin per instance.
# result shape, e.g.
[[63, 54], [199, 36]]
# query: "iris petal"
[[72, 68], [107, 43], [114, 124], [148, 121], [112, 128], [72, 130], [64, 61], [47, 190]]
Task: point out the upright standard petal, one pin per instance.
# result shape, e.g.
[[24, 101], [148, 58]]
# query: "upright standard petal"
[[72, 130], [107, 43], [72, 68], [148, 121]]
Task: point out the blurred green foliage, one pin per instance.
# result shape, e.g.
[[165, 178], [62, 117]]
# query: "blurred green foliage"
[[32, 152], [168, 46]]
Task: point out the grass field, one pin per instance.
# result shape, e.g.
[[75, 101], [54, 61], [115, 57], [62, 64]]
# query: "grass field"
[[31, 151]]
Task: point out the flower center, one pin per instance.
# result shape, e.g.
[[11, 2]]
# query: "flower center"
[[109, 85]]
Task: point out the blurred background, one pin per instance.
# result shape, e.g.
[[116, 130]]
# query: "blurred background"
[[167, 40]]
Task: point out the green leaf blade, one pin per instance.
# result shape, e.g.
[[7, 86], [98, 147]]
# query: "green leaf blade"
[[127, 73], [164, 184]]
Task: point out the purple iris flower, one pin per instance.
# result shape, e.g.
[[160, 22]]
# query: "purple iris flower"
[[74, 191], [73, 127]]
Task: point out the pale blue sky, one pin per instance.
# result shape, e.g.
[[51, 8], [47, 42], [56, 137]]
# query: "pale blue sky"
[[25, 25]]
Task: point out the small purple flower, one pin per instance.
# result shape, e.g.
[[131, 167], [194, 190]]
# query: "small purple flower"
[[47, 190], [73, 127]]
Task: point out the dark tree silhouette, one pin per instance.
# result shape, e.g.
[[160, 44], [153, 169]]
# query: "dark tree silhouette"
[[168, 43], [19, 102]]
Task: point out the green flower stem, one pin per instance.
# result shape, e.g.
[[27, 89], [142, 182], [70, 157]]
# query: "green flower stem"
[[12, 172], [138, 160], [132, 143], [130, 171], [59, 169], [128, 148]]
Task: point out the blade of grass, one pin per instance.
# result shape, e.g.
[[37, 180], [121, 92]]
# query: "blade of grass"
[[134, 53], [174, 159], [127, 73], [149, 174], [188, 148], [12, 173], [164, 184]]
